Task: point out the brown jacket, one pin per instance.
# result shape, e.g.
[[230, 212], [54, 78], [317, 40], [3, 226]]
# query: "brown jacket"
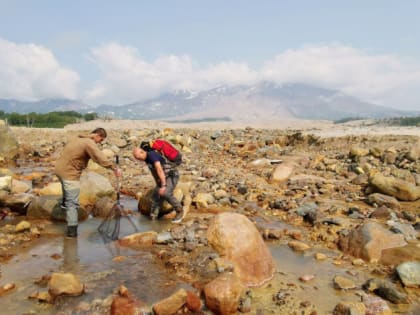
[[75, 157]]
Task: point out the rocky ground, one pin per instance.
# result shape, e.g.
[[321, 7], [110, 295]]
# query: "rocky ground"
[[353, 189]]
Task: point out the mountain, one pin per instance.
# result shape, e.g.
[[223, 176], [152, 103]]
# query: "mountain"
[[43, 106], [265, 101]]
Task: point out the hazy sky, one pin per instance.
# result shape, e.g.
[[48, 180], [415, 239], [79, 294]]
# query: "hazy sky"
[[116, 52]]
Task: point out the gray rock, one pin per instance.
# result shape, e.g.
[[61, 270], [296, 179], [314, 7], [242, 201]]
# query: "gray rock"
[[409, 273]]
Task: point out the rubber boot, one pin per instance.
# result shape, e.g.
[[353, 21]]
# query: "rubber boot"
[[154, 214], [72, 231]]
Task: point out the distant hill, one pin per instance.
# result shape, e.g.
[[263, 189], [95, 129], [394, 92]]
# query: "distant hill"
[[43, 106], [265, 101]]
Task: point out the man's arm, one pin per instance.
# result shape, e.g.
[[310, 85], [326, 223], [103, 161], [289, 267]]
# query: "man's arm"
[[161, 173], [98, 156]]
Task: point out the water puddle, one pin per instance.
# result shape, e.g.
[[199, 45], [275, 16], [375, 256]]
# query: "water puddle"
[[92, 261]]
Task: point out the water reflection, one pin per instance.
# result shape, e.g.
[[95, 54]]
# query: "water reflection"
[[70, 255]]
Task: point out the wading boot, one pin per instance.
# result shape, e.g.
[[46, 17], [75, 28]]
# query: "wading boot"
[[180, 214], [154, 214]]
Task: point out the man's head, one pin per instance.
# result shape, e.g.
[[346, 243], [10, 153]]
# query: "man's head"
[[99, 135], [139, 154]]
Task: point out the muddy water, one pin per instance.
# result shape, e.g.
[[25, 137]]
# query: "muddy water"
[[93, 262]]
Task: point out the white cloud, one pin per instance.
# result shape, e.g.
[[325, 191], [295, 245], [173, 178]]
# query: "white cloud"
[[382, 79], [129, 78], [31, 72]]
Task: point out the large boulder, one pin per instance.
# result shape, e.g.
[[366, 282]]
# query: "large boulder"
[[51, 189], [145, 202], [16, 202], [65, 284], [93, 186], [368, 241], [171, 304], [237, 239], [383, 200], [9, 147], [398, 255], [48, 207], [223, 294], [395, 187], [282, 173]]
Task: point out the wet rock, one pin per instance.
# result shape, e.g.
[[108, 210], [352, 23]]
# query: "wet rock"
[[193, 302], [349, 308], [253, 262], [171, 304], [23, 226], [7, 288], [127, 304], [343, 283], [164, 238], [369, 240], [383, 200], [298, 246], [48, 207], [103, 207], [223, 294], [376, 306], [139, 240], [145, 201], [320, 256], [306, 278], [16, 202], [398, 255], [409, 273], [65, 284], [223, 265], [245, 304], [386, 290], [42, 296]]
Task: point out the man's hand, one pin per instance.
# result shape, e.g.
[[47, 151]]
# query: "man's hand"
[[162, 190], [118, 172]]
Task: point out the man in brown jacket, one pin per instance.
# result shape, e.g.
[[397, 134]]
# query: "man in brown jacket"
[[69, 166]]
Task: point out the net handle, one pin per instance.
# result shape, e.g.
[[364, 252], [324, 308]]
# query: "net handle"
[[117, 162]]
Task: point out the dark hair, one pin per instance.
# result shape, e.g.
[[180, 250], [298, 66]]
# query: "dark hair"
[[101, 132], [145, 145]]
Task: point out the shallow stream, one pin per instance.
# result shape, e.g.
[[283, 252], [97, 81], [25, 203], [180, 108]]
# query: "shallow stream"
[[93, 262]]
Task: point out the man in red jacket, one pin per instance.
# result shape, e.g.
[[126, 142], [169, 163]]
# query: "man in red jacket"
[[166, 177]]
